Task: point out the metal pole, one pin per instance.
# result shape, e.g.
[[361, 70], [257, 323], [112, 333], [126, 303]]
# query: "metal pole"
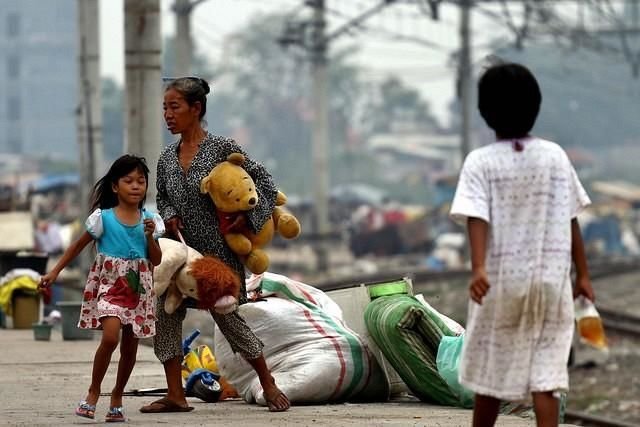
[[320, 134], [143, 76], [183, 43], [465, 76]]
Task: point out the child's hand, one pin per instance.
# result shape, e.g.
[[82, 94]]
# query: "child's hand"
[[583, 287], [479, 285], [149, 227], [47, 280]]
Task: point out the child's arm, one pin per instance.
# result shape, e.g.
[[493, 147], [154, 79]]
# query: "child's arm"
[[155, 253], [583, 282], [478, 230], [71, 252]]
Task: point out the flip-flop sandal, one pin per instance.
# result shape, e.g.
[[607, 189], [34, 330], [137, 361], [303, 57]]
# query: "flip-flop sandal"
[[164, 405], [271, 404], [86, 410], [115, 415]]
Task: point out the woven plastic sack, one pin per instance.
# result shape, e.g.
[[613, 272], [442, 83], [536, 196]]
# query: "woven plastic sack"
[[313, 356], [448, 361]]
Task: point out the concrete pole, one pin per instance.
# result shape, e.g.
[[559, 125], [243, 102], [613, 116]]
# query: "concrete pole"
[[183, 43], [635, 24], [89, 123], [143, 79], [320, 142], [465, 75]]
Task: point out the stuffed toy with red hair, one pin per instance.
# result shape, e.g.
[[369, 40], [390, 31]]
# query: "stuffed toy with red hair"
[[184, 272]]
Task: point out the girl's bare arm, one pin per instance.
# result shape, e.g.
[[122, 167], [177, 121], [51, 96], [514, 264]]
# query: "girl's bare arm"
[[478, 234], [583, 282], [69, 255]]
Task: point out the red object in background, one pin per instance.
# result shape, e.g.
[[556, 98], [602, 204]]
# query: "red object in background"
[[46, 295], [394, 217]]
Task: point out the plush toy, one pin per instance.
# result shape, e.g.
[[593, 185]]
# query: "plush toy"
[[234, 193], [184, 272]]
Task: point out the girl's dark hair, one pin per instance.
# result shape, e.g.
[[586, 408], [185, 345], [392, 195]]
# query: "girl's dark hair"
[[194, 89], [103, 195], [509, 99]]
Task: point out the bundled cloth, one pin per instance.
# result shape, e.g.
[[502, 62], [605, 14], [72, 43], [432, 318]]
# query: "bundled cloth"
[[18, 279], [313, 356]]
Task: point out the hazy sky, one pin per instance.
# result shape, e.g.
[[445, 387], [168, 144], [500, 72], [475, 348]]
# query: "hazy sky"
[[427, 68]]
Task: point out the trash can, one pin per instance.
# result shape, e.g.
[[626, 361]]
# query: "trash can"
[[70, 311], [25, 303], [26, 308]]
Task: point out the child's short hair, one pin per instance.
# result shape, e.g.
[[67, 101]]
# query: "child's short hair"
[[509, 99]]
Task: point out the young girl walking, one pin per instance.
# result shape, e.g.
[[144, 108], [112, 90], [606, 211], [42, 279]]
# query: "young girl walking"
[[119, 291], [520, 198]]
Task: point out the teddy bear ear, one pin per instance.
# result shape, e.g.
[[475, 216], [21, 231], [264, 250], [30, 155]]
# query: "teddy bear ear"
[[236, 158], [204, 185]]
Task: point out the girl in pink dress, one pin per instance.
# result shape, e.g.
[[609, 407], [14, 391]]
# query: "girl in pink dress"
[[119, 291]]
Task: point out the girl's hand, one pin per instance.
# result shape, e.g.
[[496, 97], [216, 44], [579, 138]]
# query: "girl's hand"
[[583, 287], [149, 227], [479, 285], [173, 225], [47, 280]]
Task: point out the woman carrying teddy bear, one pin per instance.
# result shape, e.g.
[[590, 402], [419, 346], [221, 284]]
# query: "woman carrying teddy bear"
[[181, 167]]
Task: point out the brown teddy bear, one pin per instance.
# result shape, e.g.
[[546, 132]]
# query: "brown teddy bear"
[[184, 272], [234, 193]]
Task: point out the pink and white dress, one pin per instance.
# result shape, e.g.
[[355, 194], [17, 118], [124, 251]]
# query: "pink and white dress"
[[120, 281]]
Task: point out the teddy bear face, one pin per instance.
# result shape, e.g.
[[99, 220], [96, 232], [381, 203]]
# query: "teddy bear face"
[[231, 188], [187, 283]]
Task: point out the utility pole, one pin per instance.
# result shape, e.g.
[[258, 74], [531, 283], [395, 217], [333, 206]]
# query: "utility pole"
[[318, 48], [465, 77], [143, 79], [89, 112], [635, 24], [320, 141], [183, 43], [89, 120]]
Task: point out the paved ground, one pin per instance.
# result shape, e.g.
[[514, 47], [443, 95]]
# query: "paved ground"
[[41, 381]]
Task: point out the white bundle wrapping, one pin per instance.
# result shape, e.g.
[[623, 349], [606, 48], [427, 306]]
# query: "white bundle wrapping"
[[313, 356]]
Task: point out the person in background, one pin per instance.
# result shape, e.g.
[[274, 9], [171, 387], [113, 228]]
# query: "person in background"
[[48, 237]]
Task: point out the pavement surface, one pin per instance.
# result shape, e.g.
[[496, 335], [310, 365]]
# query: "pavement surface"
[[42, 381]]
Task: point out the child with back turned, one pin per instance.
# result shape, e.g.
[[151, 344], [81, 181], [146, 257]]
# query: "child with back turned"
[[119, 291], [519, 197]]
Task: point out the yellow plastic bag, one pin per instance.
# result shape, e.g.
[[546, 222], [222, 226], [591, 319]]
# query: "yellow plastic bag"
[[589, 324]]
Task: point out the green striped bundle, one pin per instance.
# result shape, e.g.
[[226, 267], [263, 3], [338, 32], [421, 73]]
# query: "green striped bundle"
[[408, 336]]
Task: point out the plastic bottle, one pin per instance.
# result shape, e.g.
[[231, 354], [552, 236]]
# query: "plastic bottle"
[[589, 323]]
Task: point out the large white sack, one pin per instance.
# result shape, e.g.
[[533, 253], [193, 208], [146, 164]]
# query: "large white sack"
[[313, 356]]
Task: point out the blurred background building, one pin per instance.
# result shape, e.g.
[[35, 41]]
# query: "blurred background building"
[[38, 79]]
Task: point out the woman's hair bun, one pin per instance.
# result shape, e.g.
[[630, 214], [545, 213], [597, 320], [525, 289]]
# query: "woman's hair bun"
[[205, 86]]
